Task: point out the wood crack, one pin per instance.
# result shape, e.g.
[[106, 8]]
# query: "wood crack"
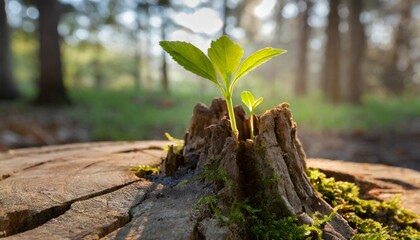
[[21, 221], [141, 149], [141, 199], [138, 200], [7, 175], [11, 154], [4, 176]]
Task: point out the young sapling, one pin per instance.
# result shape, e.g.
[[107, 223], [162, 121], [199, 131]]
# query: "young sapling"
[[250, 102], [224, 57], [178, 144]]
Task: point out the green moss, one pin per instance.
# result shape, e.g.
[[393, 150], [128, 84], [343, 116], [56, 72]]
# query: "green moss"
[[183, 182], [371, 218], [144, 170], [211, 202], [261, 225], [264, 225], [268, 226], [214, 174]]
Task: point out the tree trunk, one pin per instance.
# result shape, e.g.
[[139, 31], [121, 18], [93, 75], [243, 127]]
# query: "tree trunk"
[[225, 16], [274, 72], [164, 66], [96, 64], [302, 64], [278, 17], [148, 79], [164, 69], [396, 75], [137, 68], [8, 90], [272, 165], [331, 72], [357, 48], [51, 89]]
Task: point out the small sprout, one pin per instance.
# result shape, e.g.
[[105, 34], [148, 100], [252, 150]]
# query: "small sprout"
[[225, 58], [250, 102], [144, 170], [178, 144]]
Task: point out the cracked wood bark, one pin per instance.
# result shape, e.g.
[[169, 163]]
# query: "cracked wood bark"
[[273, 164]]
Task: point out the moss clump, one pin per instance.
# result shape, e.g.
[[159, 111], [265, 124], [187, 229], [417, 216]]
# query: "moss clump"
[[371, 218], [214, 174], [266, 227], [261, 225], [144, 170]]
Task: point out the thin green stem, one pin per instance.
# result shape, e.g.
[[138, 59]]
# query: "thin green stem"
[[251, 121], [230, 89], [231, 113]]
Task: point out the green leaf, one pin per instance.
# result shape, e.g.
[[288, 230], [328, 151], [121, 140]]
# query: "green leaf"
[[191, 58], [255, 60], [248, 99], [226, 56], [257, 102]]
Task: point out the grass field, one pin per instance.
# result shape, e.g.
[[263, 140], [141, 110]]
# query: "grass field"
[[139, 115], [130, 115]]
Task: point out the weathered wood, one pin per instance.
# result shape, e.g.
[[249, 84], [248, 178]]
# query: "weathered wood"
[[44, 185], [92, 218], [85, 191], [19, 160], [165, 214]]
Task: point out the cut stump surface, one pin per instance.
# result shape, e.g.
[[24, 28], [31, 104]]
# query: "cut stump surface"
[[85, 191]]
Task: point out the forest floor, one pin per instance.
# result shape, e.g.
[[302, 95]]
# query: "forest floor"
[[396, 146]]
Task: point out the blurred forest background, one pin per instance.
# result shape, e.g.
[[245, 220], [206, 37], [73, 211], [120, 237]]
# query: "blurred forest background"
[[91, 70]]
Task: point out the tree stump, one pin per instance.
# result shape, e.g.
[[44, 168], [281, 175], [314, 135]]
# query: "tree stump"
[[268, 171]]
